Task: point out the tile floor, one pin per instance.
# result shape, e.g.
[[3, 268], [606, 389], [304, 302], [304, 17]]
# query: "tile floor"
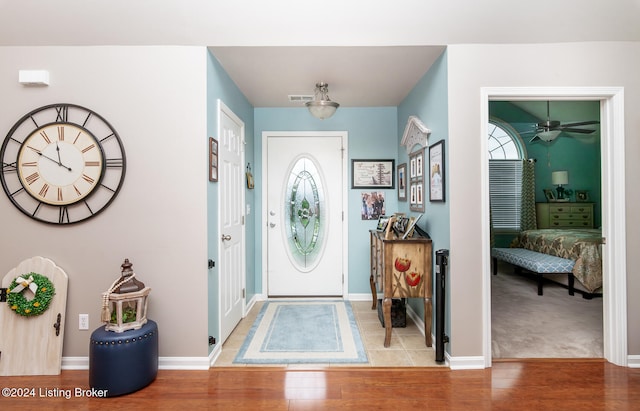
[[407, 348]]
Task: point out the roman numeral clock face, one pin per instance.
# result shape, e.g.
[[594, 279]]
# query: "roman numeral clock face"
[[62, 164]]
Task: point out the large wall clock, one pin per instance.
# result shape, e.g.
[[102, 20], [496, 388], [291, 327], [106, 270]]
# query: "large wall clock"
[[62, 164]]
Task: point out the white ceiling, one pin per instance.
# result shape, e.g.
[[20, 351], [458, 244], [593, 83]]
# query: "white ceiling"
[[371, 52], [357, 76]]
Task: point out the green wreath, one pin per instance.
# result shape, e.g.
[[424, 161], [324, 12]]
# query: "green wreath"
[[39, 304]]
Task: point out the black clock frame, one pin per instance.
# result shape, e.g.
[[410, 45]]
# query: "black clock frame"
[[114, 164]]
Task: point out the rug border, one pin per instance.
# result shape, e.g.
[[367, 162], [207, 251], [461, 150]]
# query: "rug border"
[[357, 339]]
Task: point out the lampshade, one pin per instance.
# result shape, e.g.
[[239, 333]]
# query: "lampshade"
[[560, 177], [322, 108], [548, 135]]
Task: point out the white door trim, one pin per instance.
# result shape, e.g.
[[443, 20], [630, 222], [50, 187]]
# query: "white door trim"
[[345, 199], [613, 207]]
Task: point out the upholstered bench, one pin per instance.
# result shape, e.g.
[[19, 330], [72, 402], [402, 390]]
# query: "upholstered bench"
[[535, 262], [121, 363]]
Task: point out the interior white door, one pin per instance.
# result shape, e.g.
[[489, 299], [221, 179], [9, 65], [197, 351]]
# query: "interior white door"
[[231, 219], [305, 224]]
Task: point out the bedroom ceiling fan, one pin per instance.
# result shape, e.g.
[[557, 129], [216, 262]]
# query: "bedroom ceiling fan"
[[550, 129]]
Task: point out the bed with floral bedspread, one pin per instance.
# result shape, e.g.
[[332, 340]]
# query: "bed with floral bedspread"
[[581, 245]]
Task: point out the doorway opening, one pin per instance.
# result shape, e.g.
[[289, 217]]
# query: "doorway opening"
[[613, 203]]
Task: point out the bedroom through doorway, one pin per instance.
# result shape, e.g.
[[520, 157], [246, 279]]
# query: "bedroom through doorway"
[[555, 324], [610, 102]]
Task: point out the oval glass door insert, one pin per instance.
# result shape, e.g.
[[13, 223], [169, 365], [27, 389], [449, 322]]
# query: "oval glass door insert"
[[304, 214]]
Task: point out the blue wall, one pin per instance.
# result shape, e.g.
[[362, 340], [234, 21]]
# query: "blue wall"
[[220, 86], [428, 101], [372, 134]]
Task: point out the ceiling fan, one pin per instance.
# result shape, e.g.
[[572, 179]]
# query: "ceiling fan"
[[550, 129]]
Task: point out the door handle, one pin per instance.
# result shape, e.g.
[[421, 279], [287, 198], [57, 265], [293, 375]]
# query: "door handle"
[[226, 237], [272, 225], [56, 325]]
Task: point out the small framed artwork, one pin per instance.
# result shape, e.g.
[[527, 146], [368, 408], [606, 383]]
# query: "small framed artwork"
[[549, 194], [582, 196], [213, 159], [436, 172], [419, 164], [372, 205], [383, 220], [416, 180], [250, 183], [373, 174], [402, 182]]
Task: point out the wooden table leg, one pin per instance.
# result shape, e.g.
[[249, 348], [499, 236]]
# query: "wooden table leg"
[[386, 311], [428, 307], [374, 294]]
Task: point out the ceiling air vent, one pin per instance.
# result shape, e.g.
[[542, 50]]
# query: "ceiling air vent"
[[299, 98]]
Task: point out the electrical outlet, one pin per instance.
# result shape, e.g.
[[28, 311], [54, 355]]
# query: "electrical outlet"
[[83, 322]]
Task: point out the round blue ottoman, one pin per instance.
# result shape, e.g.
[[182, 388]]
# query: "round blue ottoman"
[[121, 363]]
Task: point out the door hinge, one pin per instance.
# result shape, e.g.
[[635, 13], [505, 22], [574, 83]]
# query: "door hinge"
[[342, 278], [244, 293], [242, 220]]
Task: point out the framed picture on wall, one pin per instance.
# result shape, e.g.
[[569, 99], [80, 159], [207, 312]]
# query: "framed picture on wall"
[[436, 172], [213, 159], [402, 182], [373, 174], [416, 180]]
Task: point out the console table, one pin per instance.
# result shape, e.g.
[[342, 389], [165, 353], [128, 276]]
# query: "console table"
[[401, 269]]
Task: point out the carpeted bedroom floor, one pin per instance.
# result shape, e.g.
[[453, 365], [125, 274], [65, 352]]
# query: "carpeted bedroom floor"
[[553, 325]]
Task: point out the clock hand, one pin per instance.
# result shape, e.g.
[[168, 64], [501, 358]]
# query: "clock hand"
[[49, 158], [58, 151]]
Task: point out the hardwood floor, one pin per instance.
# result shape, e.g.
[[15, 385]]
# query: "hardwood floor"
[[509, 385]]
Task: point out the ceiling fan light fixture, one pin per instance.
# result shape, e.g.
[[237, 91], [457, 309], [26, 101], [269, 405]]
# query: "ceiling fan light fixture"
[[548, 135], [321, 106]]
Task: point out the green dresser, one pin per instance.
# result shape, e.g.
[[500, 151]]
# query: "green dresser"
[[564, 215]]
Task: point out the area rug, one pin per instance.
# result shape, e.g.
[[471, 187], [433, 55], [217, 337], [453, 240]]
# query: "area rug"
[[303, 332]]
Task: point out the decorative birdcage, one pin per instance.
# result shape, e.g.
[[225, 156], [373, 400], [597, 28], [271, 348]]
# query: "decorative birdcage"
[[125, 303]]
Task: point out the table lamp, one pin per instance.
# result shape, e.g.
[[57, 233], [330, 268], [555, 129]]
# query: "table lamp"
[[560, 178]]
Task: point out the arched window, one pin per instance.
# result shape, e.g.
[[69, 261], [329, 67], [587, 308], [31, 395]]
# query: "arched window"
[[506, 153]]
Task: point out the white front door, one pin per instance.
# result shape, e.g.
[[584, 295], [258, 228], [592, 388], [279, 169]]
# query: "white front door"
[[231, 219], [305, 177]]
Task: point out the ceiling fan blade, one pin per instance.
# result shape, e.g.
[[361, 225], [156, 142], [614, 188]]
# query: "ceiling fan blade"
[[581, 123], [577, 130]]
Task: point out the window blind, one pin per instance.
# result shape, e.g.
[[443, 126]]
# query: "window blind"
[[505, 182]]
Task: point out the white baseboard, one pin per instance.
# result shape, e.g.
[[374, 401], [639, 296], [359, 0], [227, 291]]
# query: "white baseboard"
[[164, 363], [75, 363], [360, 297], [465, 363], [633, 361]]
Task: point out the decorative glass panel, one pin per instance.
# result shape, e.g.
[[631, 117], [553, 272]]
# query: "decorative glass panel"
[[304, 211]]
